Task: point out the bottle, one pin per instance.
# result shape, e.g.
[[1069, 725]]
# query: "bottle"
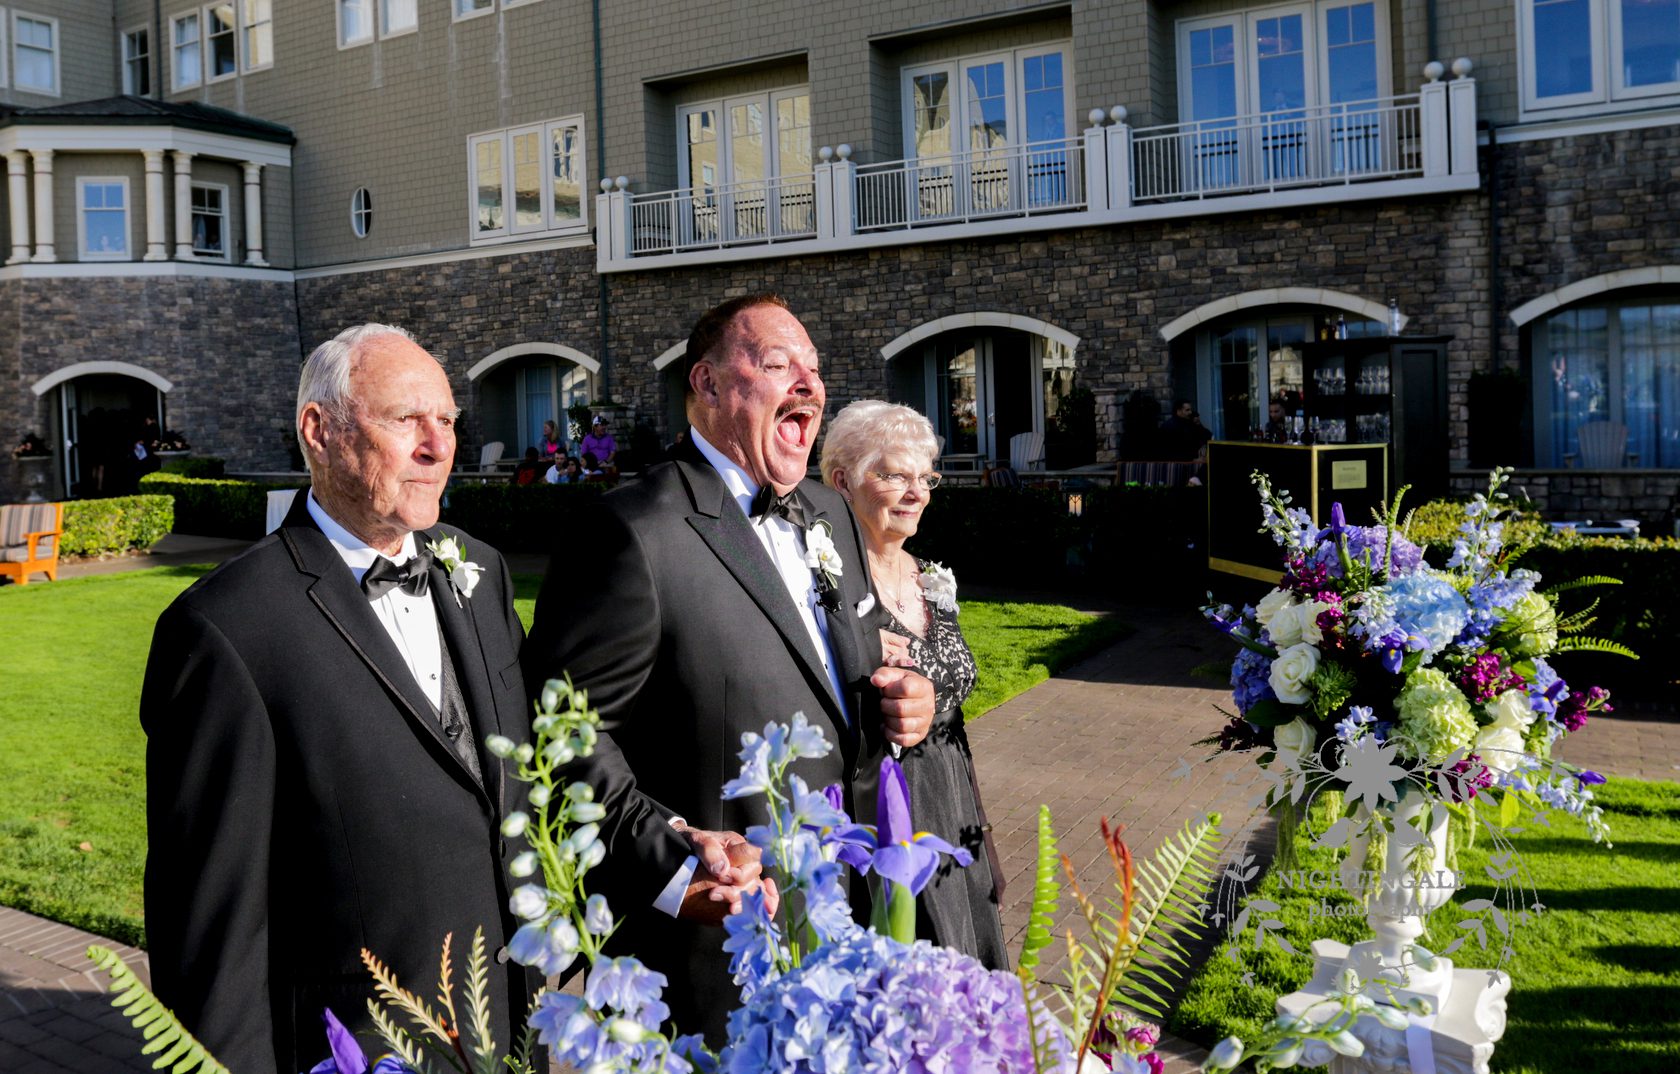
[[1341, 326], [1393, 317]]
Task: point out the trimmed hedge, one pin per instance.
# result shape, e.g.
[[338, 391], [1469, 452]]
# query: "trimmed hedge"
[[515, 518], [95, 527], [200, 467], [214, 507]]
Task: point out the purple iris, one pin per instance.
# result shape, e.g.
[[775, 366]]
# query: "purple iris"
[[1338, 522], [1589, 778], [896, 852], [347, 1055]]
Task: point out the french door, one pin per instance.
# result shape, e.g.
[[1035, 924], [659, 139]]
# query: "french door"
[[748, 162]]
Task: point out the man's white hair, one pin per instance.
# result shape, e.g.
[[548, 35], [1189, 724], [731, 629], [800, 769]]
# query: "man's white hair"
[[326, 375]]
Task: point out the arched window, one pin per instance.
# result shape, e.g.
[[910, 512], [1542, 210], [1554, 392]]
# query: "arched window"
[[1606, 378]]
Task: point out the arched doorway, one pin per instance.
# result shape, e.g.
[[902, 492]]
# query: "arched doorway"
[[96, 413], [521, 387]]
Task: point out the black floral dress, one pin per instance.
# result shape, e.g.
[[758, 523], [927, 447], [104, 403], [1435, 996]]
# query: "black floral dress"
[[959, 908]]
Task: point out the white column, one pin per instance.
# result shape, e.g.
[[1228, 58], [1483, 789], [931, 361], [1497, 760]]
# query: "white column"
[[17, 170], [843, 180], [156, 247], [1119, 136], [253, 215], [183, 206], [1432, 117], [1461, 108], [1094, 144], [43, 205]]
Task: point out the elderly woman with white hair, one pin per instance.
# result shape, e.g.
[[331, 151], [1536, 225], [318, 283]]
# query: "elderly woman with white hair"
[[880, 456]]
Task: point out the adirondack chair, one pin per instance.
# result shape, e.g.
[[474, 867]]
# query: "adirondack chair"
[[490, 454], [1026, 452], [1603, 445], [29, 534]]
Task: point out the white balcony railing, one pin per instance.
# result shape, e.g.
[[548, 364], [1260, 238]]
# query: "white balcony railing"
[[1110, 174], [1343, 143], [1009, 180]]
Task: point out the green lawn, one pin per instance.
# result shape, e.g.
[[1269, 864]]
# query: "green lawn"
[[1596, 975], [72, 756]]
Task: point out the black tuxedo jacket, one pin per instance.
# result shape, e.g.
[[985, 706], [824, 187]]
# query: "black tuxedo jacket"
[[677, 623], [302, 802]]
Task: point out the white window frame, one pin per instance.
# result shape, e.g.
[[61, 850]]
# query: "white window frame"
[[361, 203], [1609, 91], [82, 251], [1014, 64], [5, 51], [175, 83], [1316, 45], [551, 225], [227, 224], [726, 162], [380, 17], [126, 59], [457, 15], [204, 44], [57, 53], [372, 15], [243, 32]]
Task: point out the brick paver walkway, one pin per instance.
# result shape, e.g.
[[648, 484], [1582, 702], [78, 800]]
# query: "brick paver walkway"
[[1103, 739]]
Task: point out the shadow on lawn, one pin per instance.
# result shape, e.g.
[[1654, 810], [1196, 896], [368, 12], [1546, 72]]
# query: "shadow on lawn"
[[1641, 958], [1629, 1030]]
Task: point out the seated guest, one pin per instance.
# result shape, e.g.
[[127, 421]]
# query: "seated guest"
[[599, 442], [1182, 434], [592, 470], [1278, 426], [550, 444], [565, 472], [879, 456], [528, 469]]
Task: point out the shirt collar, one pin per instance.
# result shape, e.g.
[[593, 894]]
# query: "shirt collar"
[[357, 554], [739, 483]]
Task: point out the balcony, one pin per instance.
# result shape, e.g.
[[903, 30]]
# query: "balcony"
[[1112, 174]]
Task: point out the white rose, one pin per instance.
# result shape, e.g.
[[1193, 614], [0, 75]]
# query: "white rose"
[[1290, 672], [1500, 748], [465, 577], [1294, 740], [1297, 623], [1512, 710], [1271, 604]]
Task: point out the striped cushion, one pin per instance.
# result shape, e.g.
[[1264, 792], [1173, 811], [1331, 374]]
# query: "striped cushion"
[[20, 519], [1170, 472]]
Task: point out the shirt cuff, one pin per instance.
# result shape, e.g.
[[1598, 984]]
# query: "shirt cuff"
[[670, 900]]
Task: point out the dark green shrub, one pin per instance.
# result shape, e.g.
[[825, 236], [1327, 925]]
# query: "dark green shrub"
[[1014, 536], [516, 518], [215, 507], [194, 467], [94, 527]]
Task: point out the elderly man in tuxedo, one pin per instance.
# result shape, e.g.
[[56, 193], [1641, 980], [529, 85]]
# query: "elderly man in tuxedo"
[[700, 620]]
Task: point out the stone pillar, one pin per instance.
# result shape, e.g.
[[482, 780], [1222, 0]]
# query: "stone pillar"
[[17, 170], [1108, 423], [156, 247], [183, 207], [253, 215], [43, 205]]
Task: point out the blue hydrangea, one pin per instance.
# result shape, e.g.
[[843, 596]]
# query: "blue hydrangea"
[[1489, 599], [1250, 677], [1423, 607]]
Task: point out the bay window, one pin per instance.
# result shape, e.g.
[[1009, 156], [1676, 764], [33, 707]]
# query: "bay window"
[[102, 219], [527, 180]]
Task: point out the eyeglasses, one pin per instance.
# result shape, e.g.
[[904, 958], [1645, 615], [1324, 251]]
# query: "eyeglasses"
[[900, 482]]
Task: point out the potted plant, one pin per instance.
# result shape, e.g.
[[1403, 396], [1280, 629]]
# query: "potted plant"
[[30, 450], [172, 443]]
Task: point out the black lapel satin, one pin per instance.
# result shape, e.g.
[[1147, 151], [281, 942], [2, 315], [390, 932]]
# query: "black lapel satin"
[[460, 631], [345, 607], [729, 534]]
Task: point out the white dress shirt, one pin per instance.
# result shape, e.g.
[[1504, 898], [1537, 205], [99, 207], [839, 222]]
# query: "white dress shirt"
[[785, 544], [411, 621]]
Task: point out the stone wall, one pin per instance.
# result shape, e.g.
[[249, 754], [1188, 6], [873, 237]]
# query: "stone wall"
[[1602, 496]]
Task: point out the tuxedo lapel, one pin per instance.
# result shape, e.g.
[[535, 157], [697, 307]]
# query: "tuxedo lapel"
[[728, 533], [335, 594], [459, 620]]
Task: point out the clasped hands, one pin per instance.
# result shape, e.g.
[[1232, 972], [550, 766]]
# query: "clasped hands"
[[729, 868], [906, 694]]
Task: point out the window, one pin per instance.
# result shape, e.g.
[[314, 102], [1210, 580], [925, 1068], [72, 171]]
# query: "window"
[[220, 42], [258, 21], [397, 17], [527, 180], [748, 160], [137, 62], [1607, 385], [355, 22], [35, 54], [209, 221], [1593, 52], [102, 219], [983, 387], [361, 212], [466, 9], [187, 67], [544, 391]]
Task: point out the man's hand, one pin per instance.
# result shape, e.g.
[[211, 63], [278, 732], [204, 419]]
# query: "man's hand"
[[906, 704], [729, 868], [895, 650]]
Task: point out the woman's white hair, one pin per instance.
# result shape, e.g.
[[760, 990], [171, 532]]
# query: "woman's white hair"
[[870, 429], [326, 374]]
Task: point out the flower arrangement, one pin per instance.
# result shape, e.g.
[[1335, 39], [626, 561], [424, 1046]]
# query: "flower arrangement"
[[170, 440], [31, 447]]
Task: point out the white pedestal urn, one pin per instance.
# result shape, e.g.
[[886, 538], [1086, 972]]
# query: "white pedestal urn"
[[1468, 1006], [33, 470]]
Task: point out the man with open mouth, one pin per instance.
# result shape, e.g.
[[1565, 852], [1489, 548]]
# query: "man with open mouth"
[[710, 615]]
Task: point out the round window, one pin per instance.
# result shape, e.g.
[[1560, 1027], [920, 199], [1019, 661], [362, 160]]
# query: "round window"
[[361, 212]]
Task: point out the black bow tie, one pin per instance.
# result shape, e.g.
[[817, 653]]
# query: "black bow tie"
[[790, 507], [385, 576]]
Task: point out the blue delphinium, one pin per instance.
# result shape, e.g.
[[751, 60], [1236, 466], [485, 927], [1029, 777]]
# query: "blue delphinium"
[[615, 1022], [1367, 544]]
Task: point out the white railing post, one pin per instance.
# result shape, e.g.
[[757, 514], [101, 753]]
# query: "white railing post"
[[1461, 102], [1432, 118], [1096, 164], [843, 179], [1119, 136], [822, 182], [612, 226]]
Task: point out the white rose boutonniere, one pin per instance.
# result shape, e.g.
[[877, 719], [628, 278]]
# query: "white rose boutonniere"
[[940, 585], [463, 573], [824, 560]]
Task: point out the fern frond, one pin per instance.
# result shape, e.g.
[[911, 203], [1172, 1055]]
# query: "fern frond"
[[407, 1047], [1574, 643], [1041, 919], [1181, 872], [158, 1024], [478, 1005], [1576, 622], [518, 1060], [400, 998], [1582, 582]]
